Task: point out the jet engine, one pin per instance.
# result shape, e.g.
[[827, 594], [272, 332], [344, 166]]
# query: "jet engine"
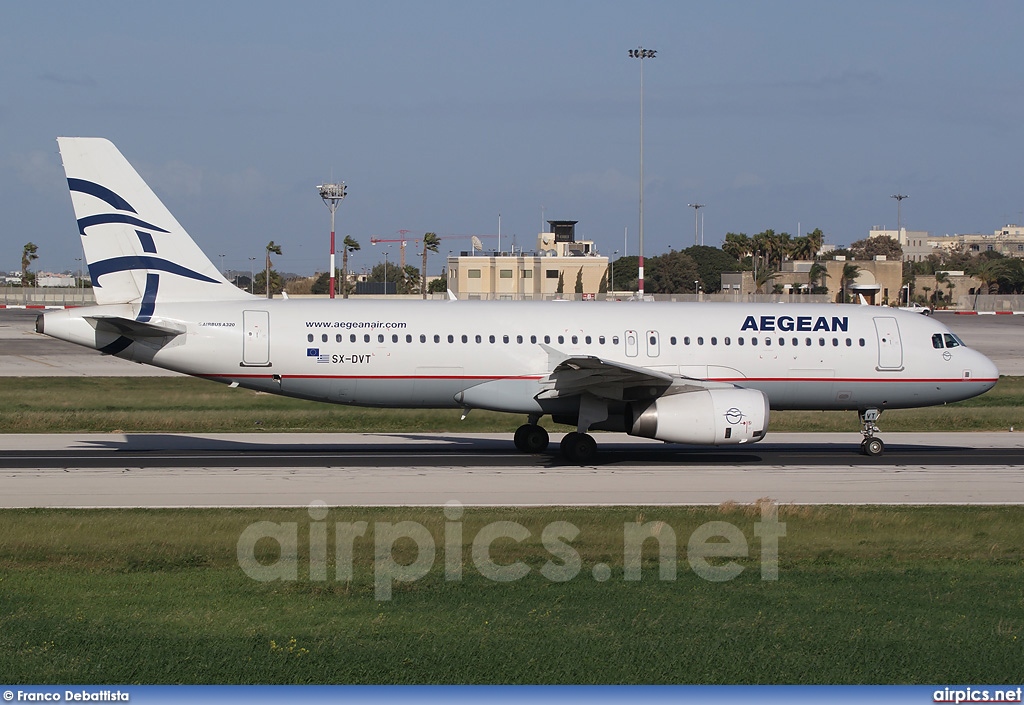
[[702, 417]]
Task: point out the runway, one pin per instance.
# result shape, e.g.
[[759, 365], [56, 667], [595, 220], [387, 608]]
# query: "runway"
[[220, 470]]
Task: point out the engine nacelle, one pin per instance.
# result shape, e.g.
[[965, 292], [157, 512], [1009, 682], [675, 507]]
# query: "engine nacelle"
[[702, 417]]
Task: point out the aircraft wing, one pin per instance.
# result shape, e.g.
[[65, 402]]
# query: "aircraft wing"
[[130, 328], [602, 378]]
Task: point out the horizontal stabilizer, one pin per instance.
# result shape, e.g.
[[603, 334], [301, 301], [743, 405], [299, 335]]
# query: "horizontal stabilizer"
[[132, 329]]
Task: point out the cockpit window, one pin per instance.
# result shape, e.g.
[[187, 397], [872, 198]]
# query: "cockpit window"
[[952, 341], [937, 341]]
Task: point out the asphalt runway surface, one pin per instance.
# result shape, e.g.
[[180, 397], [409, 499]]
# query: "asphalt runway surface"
[[217, 470], [163, 470]]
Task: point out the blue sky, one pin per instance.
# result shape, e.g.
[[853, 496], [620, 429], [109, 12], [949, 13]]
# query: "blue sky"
[[441, 115]]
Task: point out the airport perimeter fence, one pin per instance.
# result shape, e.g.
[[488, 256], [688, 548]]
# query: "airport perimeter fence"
[[45, 296], [17, 296]]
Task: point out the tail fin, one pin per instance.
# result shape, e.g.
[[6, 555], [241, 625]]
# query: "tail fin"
[[136, 251]]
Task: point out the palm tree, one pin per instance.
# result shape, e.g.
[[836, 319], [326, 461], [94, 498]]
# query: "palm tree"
[[737, 245], [817, 274], [815, 239], [988, 272], [850, 273], [271, 249], [430, 244], [349, 245], [28, 255], [940, 278]]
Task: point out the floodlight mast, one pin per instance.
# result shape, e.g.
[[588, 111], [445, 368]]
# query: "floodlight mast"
[[333, 195], [641, 53]]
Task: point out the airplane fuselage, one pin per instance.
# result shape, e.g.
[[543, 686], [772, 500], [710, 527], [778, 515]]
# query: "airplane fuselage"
[[434, 354]]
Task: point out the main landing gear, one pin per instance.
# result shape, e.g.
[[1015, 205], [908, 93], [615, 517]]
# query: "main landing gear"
[[531, 437], [575, 447], [870, 446]]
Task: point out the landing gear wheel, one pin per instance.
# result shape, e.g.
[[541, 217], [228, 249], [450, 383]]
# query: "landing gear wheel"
[[531, 438], [872, 447], [578, 447]]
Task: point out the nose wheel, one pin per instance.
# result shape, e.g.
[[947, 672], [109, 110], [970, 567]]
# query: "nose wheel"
[[870, 446]]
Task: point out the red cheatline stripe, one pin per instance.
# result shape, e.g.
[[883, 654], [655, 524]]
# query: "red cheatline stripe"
[[734, 380]]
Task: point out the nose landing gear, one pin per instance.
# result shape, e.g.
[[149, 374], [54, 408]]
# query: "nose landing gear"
[[870, 446]]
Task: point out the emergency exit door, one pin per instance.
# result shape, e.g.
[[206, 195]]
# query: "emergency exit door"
[[256, 339]]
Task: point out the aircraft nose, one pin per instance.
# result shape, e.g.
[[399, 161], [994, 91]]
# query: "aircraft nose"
[[985, 369]]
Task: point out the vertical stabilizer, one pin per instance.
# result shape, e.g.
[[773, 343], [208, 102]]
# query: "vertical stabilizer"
[[136, 251]]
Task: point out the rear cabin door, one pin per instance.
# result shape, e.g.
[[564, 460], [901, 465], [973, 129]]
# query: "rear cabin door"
[[256, 339], [890, 347]]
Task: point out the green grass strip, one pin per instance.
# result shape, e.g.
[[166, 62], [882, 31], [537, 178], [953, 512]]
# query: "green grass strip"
[[863, 595], [185, 405]]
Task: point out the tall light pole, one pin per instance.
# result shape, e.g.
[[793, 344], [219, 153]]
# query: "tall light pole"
[[613, 272], [899, 202], [641, 53], [222, 265], [252, 275], [333, 194], [696, 207]]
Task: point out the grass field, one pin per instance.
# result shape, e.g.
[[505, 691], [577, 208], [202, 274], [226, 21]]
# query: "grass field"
[[168, 405], [863, 595]]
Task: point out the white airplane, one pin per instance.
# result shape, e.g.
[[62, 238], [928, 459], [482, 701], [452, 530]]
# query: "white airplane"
[[702, 373]]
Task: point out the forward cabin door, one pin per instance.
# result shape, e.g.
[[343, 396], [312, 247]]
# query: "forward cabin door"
[[890, 347], [256, 339]]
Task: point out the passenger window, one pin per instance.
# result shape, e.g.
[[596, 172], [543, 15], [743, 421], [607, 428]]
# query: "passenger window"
[[366, 338], [465, 339], [728, 341], [796, 341], [519, 339], [672, 340], [451, 338], [753, 341], [337, 338], [561, 339], [408, 338], [380, 338], [782, 341], [615, 340], [849, 343], [807, 341], [575, 339], [821, 342], [479, 339], [714, 340], [862, 342], [309, 338], [587, 340], [600, 340], [835, 342], [423, 338], [547, 339], [394, 338], [740, 341], [504, 338], [437, 338], [490, 338], [533, 339], [700, 340], [686, 340], [767, 341], [352, 338], [951, 342]]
